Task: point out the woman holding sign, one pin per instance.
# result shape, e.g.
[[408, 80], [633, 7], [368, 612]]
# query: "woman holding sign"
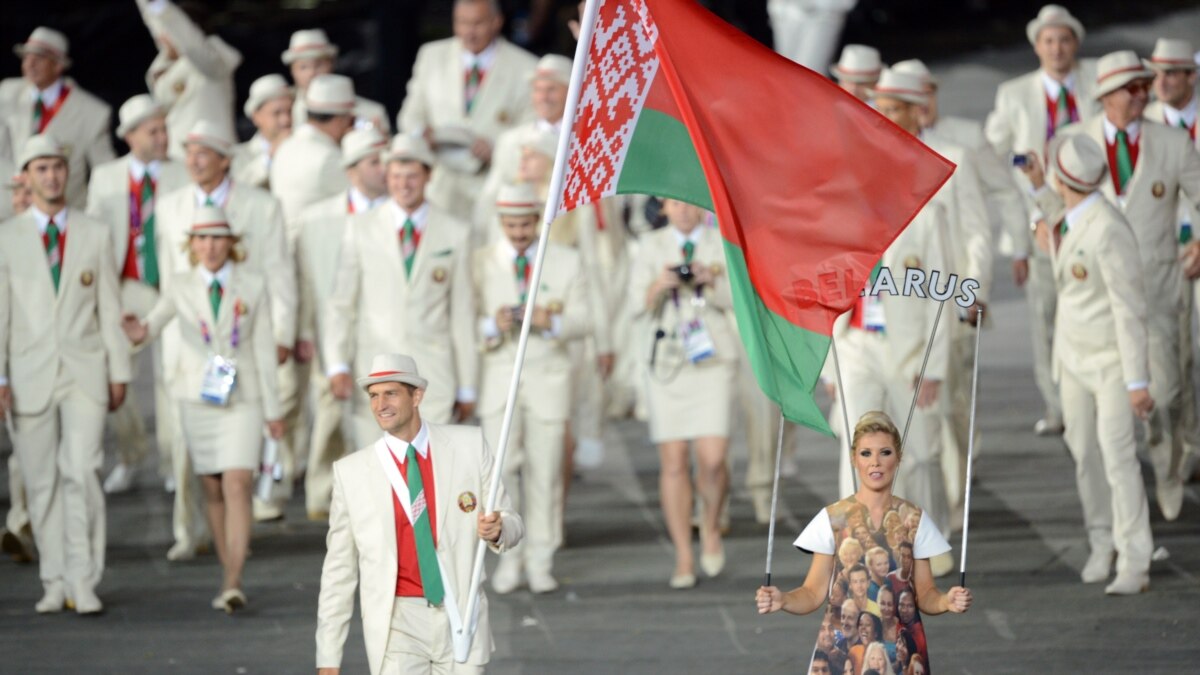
[[223, 376], [876, 454], [679, 285]]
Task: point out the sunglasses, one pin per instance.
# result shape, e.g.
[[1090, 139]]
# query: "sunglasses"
[[1137, 86]]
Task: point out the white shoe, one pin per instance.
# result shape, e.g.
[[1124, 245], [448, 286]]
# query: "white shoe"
[[181, 551], [1128, 583], [589, 453], [1048, 427], [120, 479], [761, 498], [508, 574], [1170, 497], [542, 582], [265, 512], [1098, 566], [681, 582], [86, 601], [53, 600], [169, 485]]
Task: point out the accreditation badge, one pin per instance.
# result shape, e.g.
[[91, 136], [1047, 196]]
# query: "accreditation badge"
[[697, 343], [220, 376]]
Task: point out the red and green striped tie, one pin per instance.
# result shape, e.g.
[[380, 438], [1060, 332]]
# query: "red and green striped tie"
[[147, 253], [1124, 162], [431, 575], [54, 252], [522, 269], [408, 245], [39, 111]]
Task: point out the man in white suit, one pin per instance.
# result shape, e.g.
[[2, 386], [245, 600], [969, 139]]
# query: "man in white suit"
[[255, 216], [62, 365], [122, 194], [503, 274], [413, 575], [464, 92], [857, 70], [404, 282], [308, 166], [269, 108], [42, 100], [322, 227], [1028, 112], [1149, 166], [310, 54], [1101, 361], [193, 73]]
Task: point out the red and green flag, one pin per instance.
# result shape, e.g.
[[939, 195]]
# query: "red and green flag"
[[809, 185]]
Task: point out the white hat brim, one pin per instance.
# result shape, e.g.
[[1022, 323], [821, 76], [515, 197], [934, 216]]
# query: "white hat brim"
[[403, 378]]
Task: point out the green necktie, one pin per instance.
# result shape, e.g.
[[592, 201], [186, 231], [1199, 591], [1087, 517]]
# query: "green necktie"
[[522, 276], [54, 252], [431, 575], [214, 297], [146, 212], [473, 80], [1183, 125], [1062, 116], [689, 251], [1124, 163], [208, 200], [39, 111], [408, 245]]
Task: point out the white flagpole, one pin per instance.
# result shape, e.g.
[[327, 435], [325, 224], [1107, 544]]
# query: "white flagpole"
[[921, 377], [586, 29], [774, 499], [841, 391], [962, 565]]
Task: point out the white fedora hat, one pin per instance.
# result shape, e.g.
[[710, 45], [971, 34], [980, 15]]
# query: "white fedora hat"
[[330, 95], [36, 147], [137, 110], [47, 42], [264, 89], [210, 221], [553, 67], [1117, 69], [858, 63], [905, 87], [518, 200], [1079, 162], [361, 143], [916, 67], [1172, 55], [408, 148], [393, 368], [212, 136], [1053, 15], [309, 44]]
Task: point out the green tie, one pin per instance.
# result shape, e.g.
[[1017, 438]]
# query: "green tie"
[[214, 297], [431, 576], [689, 251], [408, 245], [39, 111], [54, 252], [1124, 163], [208, 200], [1062, 116], [473, 79], [1183, 125], [522, 279], [146, 212]]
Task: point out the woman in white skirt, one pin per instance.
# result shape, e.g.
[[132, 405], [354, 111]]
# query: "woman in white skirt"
[[222, 373], [679, 285]]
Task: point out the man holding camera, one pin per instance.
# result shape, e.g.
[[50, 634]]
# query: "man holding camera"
[[503, 274]]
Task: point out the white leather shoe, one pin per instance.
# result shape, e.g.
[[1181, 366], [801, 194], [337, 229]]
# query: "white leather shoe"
[[86, 601], [1048, 427], [53, 600], [169, 485], [181, 551], [1128, 583], [120, 480], [1170, 497], [508, 574], [1098, 566], [589, 453], [542, 582], [681, 582]]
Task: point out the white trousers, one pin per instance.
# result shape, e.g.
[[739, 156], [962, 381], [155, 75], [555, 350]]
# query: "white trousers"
[[1099, 434], [127, 423], [419, 642], [325, 446], [1041, 298], [60, 454], [808, 31]]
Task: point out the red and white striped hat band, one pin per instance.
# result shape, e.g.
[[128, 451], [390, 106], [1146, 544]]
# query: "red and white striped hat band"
[[388, 373], [884, 91], [212, 229], [517, 205], [1182, 63], [1118, 71], [851, 71], [1073, 180]]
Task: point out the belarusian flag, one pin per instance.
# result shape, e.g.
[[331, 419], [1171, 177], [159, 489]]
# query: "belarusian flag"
[[809, 185]]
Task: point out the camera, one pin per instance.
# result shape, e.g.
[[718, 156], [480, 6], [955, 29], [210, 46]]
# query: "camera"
[[1020, 160], [684, 272]]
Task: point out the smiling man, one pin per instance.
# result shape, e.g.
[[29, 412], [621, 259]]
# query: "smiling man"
[[413, 585]]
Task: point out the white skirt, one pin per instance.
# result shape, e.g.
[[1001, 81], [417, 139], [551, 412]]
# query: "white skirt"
[[221, 438]]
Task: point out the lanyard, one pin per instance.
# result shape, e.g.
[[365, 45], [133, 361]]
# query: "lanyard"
[[235, 337]]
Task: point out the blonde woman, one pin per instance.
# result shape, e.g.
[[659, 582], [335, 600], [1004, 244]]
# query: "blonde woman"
[[876, 455], [680, 286], [223, 378]]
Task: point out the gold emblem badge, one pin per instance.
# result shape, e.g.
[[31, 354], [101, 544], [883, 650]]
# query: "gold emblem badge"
[[555, 307], [912, 261], [1158, 189], [178, 87], [466, 502], [502, 118], [439, 274], [716, 269], [86, 278], [1079, 271]]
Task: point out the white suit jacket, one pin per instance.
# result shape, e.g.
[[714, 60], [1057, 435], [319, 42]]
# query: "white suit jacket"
[[361, 544], [436, 91], [365, 111], [1100, 324], [322, 226], [1167, 165], [255, 216], [546, 378], [78, 329], [909, 320], [108, 198], [250, 164], [80, 125], [1187, 213], [375, 309], [970, 247], [246, 303], [307, 168], [1017, 125], [196, 86]]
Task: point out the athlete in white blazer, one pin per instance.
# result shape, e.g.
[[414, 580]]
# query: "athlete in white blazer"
[[412, 593], [62, 365]]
